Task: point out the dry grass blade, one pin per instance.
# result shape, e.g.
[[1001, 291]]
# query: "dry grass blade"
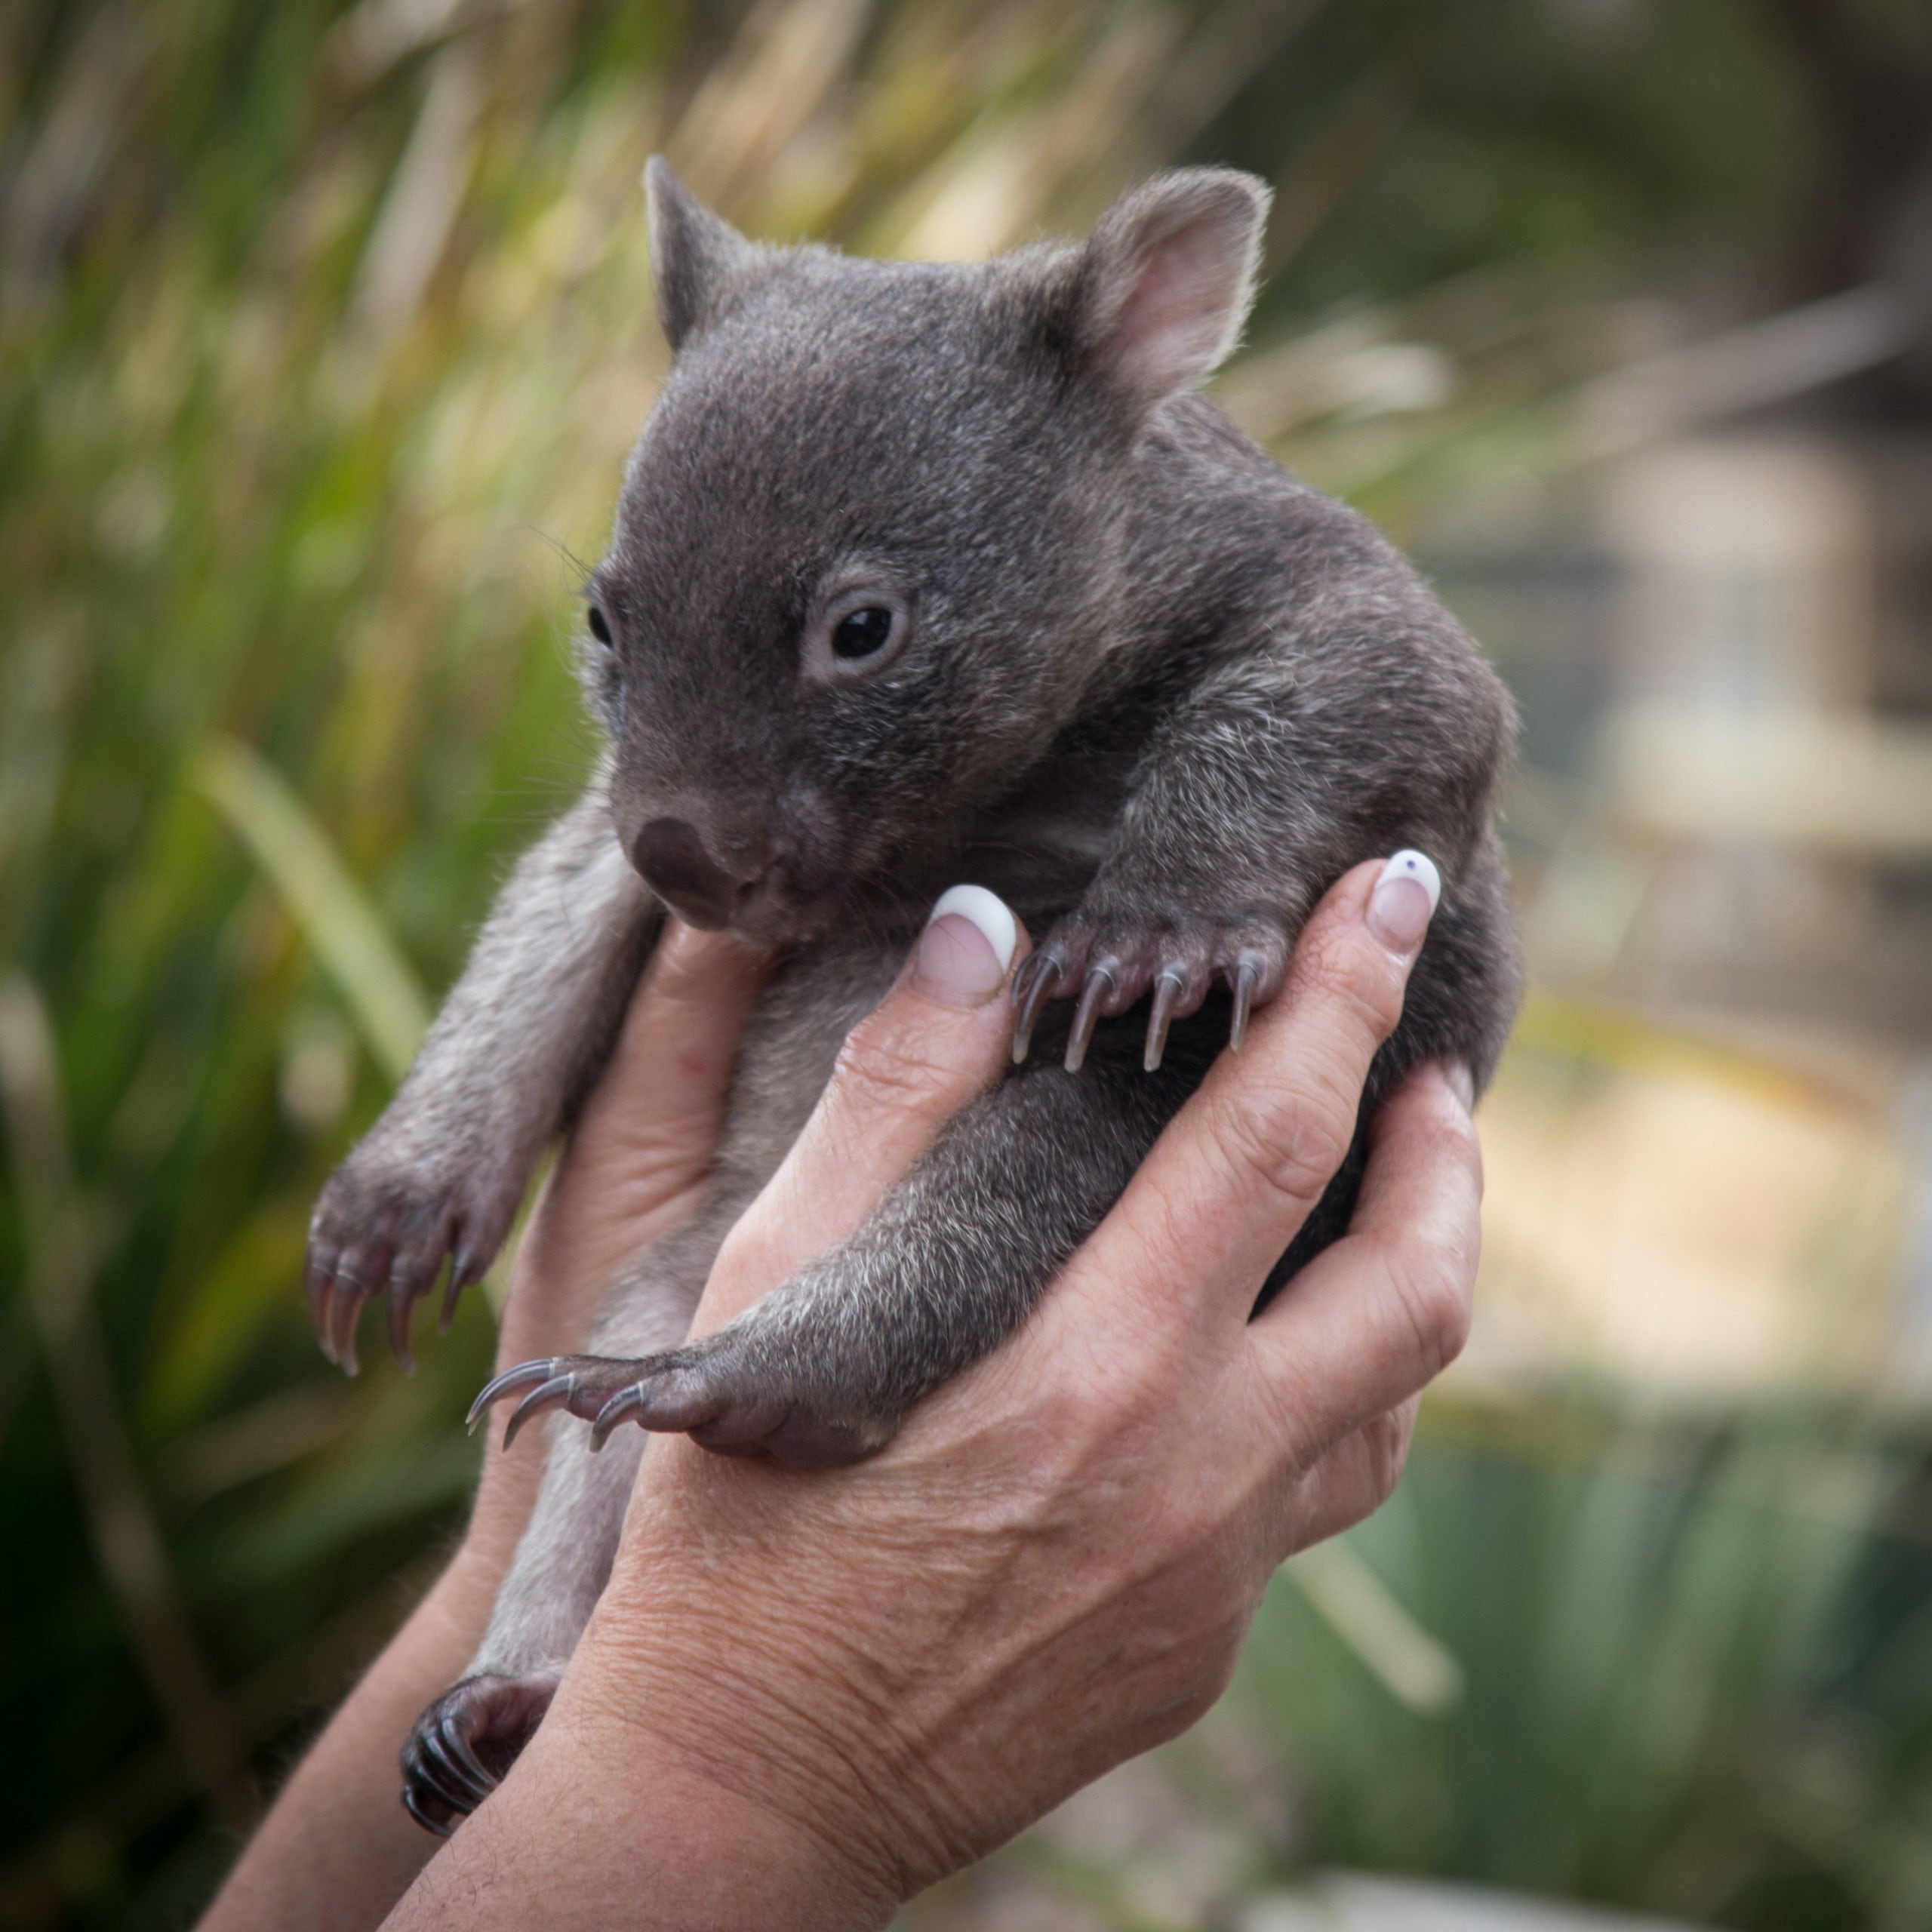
[[127, 1539], [788, 58], [413, 229], [1396, 1652], [334, 912]]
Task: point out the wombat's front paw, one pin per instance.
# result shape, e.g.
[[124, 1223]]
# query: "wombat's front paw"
[[465, 1741], [383, 1225], [1111, 960], [713, 1390]]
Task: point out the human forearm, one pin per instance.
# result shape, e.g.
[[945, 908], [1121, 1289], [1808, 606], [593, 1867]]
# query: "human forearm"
[[604, 1821], [337, 1850]]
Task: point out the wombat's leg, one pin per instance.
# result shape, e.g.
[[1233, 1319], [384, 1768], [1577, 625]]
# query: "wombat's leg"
[[1261, 788], [823, 1369], [465, 1742], [518, 1041]]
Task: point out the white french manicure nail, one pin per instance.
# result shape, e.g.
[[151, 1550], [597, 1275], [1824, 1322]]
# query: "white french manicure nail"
[[1404, 901], [969, 942], [987, 911]]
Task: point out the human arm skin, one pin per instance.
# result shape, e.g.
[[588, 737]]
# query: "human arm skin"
[[805, 1696], [337, 1849]]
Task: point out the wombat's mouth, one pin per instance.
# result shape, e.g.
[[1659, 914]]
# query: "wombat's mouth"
[[770, 915], [774, 896], [771, 910]]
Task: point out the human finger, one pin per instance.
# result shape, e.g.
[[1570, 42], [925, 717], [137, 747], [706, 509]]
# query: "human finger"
[[1347, 1483], [1379, 1315], [671, 1071], [1240, 1167], [939, 1038], [644, 1143]]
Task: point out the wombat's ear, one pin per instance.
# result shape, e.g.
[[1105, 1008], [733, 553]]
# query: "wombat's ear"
[[696, 257], [1166, 278]]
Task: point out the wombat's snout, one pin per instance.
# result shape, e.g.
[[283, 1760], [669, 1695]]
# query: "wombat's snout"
[[677, 865]]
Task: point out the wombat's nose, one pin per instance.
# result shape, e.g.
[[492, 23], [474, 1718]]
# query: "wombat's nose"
[[670, 853]]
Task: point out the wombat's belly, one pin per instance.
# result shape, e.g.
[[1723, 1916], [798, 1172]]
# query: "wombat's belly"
[[815, 999]]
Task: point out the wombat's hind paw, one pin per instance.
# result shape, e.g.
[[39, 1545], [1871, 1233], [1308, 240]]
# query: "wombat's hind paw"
[[712, 1390], [465, 1742], [379, 1233], [1111, 963]]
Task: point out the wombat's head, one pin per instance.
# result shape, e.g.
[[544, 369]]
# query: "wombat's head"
[[867, 557]]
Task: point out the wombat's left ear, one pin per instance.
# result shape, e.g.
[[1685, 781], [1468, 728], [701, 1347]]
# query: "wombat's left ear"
[[696, 257], [1166, 280]]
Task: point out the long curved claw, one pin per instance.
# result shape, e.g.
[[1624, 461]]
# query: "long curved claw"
[[1247, 976], [557, 1388], [465, 1268], [1033, 985], [344, 1314], [427, 1770], [525, 1375], [443, 1778], [620, 1405], [669, 1399], [402, 1293], [439, 1827], [462, 1770], [318, 1283], [456, 1748], [1099, 984], [1167, 991]]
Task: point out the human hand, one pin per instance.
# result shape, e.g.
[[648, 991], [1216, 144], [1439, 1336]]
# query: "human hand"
[[805, 1696]]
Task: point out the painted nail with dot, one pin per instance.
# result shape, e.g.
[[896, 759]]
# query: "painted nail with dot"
[[1404, 901]]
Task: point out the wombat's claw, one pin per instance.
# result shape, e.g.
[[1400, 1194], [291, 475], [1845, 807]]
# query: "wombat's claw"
[[1100, 983], [445, 1775], [1111, 962], [1167, 990], [1247, 976], [375, 1239], [1033, 985], [525, 1375], [707, 1389]]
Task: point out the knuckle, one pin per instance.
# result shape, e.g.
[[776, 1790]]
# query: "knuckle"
[[1387, 1438], [1295, 1144], [881, 1069], [1348, 972], [1431, 1284]]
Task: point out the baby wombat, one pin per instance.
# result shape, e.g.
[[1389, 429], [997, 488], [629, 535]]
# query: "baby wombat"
[[923, 574]]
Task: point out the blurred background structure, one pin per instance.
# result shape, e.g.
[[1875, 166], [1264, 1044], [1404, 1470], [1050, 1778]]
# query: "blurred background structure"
[[324, 331]]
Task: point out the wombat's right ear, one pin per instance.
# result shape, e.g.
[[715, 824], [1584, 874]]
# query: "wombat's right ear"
[[696, 257], [1165, 281]]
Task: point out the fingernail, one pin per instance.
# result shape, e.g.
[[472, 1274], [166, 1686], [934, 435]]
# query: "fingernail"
[[1404, 901], [1462, 1083], [967, 945]]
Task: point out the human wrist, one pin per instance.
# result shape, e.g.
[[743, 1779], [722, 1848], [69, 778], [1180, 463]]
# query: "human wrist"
[[773, 1705], [634, 1764], [727, 1822], [693, 1703]]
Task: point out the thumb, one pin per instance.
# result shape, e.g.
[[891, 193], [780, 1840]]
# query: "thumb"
[[939, 1038]]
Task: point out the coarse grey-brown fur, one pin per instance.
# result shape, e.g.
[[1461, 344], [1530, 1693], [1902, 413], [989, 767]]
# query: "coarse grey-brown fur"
[[1146, 687]]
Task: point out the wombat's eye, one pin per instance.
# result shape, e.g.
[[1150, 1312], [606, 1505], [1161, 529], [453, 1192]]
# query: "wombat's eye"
[[862, 633], [599, 629], [856, 632]]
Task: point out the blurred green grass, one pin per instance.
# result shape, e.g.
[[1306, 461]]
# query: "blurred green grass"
[[323, 334]]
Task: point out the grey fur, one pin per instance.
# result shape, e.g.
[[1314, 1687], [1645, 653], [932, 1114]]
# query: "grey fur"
[[1149, 688]]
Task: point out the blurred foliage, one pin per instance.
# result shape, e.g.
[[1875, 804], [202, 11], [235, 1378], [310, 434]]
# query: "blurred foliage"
[[323, 333]]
